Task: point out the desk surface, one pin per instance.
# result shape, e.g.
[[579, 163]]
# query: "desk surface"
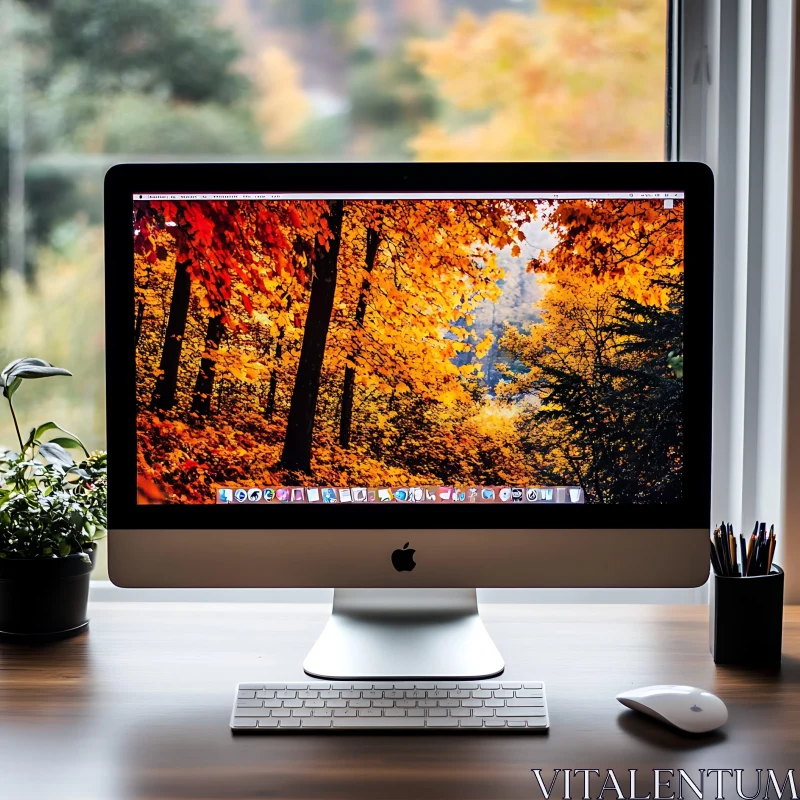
[[139, 708]]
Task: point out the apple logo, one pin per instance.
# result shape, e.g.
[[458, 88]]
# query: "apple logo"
[[695, 708], [403, 560]]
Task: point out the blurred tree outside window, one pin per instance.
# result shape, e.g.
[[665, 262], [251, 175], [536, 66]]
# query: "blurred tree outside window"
[[89, 83]]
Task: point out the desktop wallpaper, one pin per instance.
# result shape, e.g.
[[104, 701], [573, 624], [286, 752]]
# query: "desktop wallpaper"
[[409, 343]]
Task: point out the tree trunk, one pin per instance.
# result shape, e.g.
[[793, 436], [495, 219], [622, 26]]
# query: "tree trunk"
[[269, 408], [204, 385], [302, 410], [163, 398], [348, 389]]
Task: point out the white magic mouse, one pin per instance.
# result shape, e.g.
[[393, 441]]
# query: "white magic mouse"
[[686, 707]]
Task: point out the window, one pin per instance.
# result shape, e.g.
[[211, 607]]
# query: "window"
[[91, 84]]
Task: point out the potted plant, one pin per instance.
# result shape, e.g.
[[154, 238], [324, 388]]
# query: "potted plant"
[[52, 512]]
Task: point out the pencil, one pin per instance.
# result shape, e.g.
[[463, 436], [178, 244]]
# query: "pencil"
[[772, 543], [743, 549], [715, 559]]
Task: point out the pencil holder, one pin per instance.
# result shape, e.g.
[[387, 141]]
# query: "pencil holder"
[[746, 619]]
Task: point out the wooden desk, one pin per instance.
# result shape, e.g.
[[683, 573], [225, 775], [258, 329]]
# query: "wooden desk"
[[139, 706]]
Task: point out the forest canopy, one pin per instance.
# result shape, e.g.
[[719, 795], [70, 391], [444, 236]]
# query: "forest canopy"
[[372, 343]]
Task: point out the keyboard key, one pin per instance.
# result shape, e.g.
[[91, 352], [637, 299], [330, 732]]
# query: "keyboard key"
[[529, 693], [471, 703], [415, 712], [336, 703], [525, 701], [425, 685], [265, 685], [317, 722], [319, 686], [291, 722], [494, 703], [269, 722], [404, 685], [426, 703], [359, 703], [408, 703], [351, 695], [292, 703], [532, 684], [339, 685], [507, 713], [297, 686], [483, 712], [489, 685], [345, 712], [449, 703], [256, 686], [308, 694], [372, 695], [301, 712], [379, 722], [437, 694], [448, 686], [482, 693], [273, 703], [503, 693], [369, 712], [461, 694], [245, 695], [444, 722], [250, 712], [265, 694], [322, 712], [362, 686], [507, 685], [314, 704], [460, 712], [281, 712], [493, 722], [249, 704], [329, 695], [515, 723], [470, 722], [285, 694], [469, 686], [245, 722], [397, 694], [384, 686], [437, 712], [394, 712]]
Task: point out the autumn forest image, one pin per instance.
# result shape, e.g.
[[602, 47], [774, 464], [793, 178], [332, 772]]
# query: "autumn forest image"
[[413, 342]]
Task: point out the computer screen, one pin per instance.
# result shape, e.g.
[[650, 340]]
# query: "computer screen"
[[409, 348]]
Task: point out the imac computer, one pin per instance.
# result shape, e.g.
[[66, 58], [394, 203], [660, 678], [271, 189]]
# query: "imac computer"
[[406, 381]]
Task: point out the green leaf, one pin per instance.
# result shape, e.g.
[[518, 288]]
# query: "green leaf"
[[11, 387], [76, 519], [56, 454], [49, 426], [68, 443], [31, 368], [64, 549]]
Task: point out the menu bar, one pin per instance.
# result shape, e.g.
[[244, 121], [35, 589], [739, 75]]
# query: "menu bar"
[[532, 195]]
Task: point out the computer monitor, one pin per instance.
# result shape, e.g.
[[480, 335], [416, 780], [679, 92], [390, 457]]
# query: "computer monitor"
[[409, 378]]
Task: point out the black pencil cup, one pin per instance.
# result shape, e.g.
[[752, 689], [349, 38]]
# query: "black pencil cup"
[[746, 619]]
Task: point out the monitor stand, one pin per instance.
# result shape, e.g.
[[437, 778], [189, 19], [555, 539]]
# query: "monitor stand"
[[404, 633]]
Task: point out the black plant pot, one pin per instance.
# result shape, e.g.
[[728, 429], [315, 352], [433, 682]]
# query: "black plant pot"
[[44, 598]]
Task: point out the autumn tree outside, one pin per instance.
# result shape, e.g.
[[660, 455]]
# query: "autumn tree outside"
[[410, 343]]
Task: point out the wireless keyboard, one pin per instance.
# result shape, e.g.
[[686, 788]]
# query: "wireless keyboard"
[[400, 705]]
